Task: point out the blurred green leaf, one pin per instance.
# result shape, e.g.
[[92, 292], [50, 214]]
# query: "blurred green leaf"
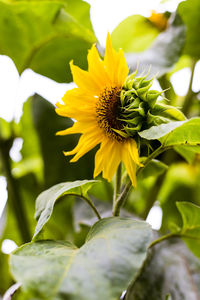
[[31, 154], [102, 268], [46, 35], [175, 133], [185, 61], [154, 168], [188, 152], [190, 231], [164, 52], [46, 200], [5, 129], [134, 34], [180, 184], [5, 278], [190, 13]]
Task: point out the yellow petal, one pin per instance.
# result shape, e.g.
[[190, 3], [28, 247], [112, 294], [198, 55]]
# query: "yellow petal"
[[133, 150], [129, 165], [108, 158], [76, 95], [85, 144], [76, 128], [84, 80], [123, 69], [115, 64], [97, 69]]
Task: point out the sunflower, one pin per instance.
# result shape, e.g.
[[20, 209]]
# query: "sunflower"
[[95, 104]]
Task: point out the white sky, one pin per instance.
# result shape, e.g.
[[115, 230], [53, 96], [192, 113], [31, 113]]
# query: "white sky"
[[105, 16]]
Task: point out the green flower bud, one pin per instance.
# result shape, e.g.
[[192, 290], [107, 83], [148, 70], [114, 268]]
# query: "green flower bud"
[[140, 108]]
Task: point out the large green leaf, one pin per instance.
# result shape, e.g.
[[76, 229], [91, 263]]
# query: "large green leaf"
[[140, 33], [190, 13], [46, 35], [190, 231], [102, 268], [46, 200], [175, 133], [164, 52]]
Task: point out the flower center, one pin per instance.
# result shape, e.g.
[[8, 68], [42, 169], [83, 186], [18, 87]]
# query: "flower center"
[[108, 109]]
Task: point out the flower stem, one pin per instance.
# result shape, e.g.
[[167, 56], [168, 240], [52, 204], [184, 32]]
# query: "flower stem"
[[117, 187], [120, 201]]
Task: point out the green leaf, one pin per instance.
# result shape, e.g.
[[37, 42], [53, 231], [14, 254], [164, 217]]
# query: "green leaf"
[[190, 231], [156, 132], [164, 52], [175, 133], [190, 13], [46, 200], [46, 35], [140, 33], [154, 168], [113, 254]]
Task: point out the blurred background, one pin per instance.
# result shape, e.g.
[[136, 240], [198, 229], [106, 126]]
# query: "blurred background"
[[37, 41]]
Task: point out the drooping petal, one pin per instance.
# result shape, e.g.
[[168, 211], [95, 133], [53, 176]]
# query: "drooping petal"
[[130, 165], [133, 150], [108, 158]]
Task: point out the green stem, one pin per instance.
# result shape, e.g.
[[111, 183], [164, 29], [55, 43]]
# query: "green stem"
[[172, 235], [91, 205], [89, 202], [117, 186], [163, 238], [14, 193], [120, 201], [188, 97]]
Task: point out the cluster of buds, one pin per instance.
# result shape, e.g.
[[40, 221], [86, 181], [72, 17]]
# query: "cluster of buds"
[[140, 108]]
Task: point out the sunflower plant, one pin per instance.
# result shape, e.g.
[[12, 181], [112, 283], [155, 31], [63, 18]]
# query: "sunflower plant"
[[109, 153]]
